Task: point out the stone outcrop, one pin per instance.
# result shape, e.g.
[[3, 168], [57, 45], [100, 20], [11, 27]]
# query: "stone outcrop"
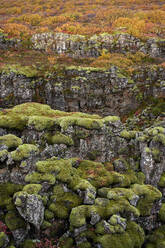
[[81, 46], [91, 90], [85, 180]]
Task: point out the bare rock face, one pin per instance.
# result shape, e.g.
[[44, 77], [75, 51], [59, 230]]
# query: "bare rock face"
[[85, 89], [31, 208], [80, 46]]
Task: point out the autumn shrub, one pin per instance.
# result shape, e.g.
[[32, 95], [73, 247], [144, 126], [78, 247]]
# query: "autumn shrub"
[[32, 19], [17, 30], [134, 26], [124, 61], [46, 243]]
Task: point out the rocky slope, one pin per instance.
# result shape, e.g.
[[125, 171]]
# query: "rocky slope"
[[80, 180]]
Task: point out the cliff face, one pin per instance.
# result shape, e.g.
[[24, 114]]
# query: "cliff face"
[[84, 179], [81, 46], [91, 90]]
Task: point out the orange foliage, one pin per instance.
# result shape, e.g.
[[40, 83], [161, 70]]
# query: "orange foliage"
[[17, 30], [139, 17]]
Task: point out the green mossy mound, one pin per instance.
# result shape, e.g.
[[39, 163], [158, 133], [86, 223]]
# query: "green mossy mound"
[[10, 140], [7, 191], [132, 238], [24, 151], [14, 221], [59, 138], [62, 202], [162, 213], [40, 117], [3, 238], [157, 239]]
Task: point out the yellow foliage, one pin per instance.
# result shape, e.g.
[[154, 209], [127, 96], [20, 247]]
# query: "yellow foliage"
[[134, 26], [17, 30]]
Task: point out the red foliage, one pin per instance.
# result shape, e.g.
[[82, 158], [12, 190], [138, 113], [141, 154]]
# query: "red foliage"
[[46, 243], [4, 228]]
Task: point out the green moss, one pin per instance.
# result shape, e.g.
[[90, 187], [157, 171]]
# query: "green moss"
[[84, 245], [78, 216], [64, 202], [49, 214], [66, 242], [59, 210], [3, 153], [162, 213], [160, 138], [32, 188], [10, 140], [157, 238], [148, 195], [147, 150], [60, 138], [128, 134], [28, 243], [156, 130], [41, 122], [36, 177], [111, 119], [6, 194], [104, 207], [64, 172], [13, 121], [88, 123], [23, 151], [97, 174], [156, 153], [14, 221], [162, 180], [45, 225], [27, 71], [42, 117], [3, 238], [132, 238]]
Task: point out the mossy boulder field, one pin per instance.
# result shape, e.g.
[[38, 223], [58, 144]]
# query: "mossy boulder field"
[[82, 124], [72, 179]]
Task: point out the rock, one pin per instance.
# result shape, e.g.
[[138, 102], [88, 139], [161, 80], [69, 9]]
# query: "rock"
[[30, 207], [19, 235], [4, 240], [95, 218]]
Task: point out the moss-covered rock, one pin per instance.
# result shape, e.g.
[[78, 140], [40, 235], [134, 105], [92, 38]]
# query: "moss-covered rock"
[[132, 238], [10, 140], [162, 213], [60, 138], [148, 195], [32, 188], [3, 240], [14, 221], [157, 238], [63, 202], [7, 191], [162, 180], [28, 243], [24, 151]]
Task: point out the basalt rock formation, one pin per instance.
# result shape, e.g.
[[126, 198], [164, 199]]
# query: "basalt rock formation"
[[92, 90]]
